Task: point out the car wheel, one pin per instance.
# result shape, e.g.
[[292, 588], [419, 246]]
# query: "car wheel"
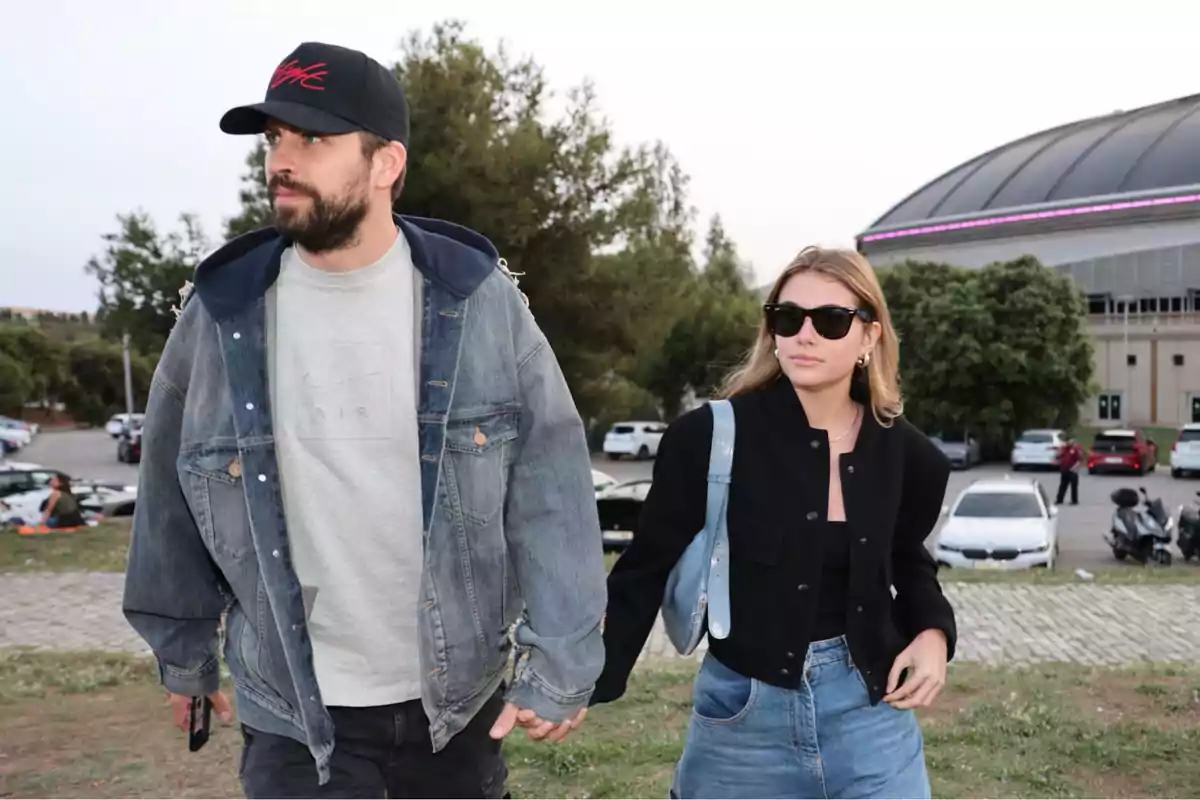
[[643, 453], [1091, 470], [614, 456], [1119, 555], [1161, 558], [1176, 473]]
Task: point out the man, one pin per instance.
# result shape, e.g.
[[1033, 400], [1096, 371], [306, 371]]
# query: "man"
[[1069, 459], [359, 444]]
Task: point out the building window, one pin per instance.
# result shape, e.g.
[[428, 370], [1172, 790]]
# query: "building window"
[[1109, 407], [1177, 359], [1131, 360]]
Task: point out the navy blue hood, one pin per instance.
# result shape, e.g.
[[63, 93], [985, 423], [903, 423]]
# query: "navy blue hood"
[[453, 257]]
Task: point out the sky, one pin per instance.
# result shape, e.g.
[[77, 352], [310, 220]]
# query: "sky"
[[798, 125]]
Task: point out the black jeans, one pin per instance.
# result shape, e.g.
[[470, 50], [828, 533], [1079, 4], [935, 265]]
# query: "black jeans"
[[1068, 478], [383, 751]]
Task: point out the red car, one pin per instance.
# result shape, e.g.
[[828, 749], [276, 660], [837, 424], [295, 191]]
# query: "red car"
[[1122, 450]]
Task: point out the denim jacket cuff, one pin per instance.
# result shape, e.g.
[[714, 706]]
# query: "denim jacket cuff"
[[188, 682], [531, 692]]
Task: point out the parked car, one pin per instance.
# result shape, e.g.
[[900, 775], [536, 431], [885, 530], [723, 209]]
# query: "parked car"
[[1038, 448], [1185, 453], [16, 437], [961, 449], [129, 445], [118, 422], [638, 439], [1003, 524], [1122, 450], [30, 429], [620, 507]]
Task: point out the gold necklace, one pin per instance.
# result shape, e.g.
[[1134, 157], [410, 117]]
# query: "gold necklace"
[[845, 433]]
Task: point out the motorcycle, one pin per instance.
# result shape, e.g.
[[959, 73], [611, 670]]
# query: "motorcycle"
[[1189, 530], [1143, 534]]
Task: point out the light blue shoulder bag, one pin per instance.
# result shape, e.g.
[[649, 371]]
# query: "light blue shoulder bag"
[[699, 583]]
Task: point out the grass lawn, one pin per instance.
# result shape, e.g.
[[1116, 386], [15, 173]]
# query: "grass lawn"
[[94, 725], [102, 548]]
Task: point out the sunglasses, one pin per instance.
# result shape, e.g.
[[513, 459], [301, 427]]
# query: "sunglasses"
[[830, 322]]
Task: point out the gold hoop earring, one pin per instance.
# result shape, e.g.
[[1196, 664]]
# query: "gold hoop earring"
[[776, 353], [864, 360]]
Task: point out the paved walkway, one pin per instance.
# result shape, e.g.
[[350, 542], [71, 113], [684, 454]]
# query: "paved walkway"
[[1002, 624]]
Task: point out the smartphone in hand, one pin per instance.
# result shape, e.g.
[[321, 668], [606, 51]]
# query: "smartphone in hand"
[[199, 722]]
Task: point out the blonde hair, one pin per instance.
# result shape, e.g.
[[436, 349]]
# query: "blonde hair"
[[852, 270]]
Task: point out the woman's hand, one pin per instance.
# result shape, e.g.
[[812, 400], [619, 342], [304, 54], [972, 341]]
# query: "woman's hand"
[[925, 660]]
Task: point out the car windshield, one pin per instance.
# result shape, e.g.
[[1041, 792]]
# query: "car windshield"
[[1115, 444], [622, 429], [1036, 438], [1190, 435], [999, 505]]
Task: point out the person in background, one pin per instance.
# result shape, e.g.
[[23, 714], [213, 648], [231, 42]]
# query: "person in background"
[[62, 508], [832, 496], [1070, 458], [359, 443]]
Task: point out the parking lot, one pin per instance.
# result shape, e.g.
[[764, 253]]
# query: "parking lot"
[[1080, 528], [93, 454]]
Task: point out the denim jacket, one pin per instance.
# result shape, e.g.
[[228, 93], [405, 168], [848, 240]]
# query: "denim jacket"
[[512, 546]]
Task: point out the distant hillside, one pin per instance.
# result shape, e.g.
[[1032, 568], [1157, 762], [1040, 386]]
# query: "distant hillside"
[[57, 325]]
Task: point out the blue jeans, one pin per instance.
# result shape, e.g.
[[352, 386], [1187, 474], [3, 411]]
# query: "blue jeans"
[[825, 739]]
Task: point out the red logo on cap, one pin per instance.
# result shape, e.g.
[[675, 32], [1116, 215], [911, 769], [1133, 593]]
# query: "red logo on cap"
[[307, 77]]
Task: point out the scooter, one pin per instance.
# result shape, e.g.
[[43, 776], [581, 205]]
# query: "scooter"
[[1143, 534], [1189, 530]]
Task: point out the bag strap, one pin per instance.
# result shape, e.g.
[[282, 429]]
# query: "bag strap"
[[720, 467]]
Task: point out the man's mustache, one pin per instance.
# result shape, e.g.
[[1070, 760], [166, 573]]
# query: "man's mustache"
[[283, 182]]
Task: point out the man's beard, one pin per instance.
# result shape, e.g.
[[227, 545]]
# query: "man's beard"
[[329, 224]]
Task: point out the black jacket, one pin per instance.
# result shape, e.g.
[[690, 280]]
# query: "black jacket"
[[893, 484]]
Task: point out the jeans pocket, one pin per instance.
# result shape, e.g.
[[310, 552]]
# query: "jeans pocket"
[[722, 696]]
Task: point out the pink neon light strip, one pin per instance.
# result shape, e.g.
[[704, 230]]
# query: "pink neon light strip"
[[1033, 215]]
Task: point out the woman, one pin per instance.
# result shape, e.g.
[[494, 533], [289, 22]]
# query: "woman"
[[832, 496], [62, 509]]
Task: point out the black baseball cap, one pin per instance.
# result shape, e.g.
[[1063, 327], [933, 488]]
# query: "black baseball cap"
[[327, 89]]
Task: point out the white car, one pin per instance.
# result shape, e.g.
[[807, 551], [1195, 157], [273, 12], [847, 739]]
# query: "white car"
[[1004, 524], [638, 439], [1185, 455], [17, 436], [116, 424], [1037, 449]]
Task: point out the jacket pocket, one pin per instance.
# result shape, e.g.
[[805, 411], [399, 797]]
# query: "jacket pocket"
[[478, 455], [213, 480]]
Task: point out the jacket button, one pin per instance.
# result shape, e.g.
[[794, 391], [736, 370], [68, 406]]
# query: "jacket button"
[[815, 444], [850, 468], [863, 540], [791, 655], [811, 515], [262, 478], [249, 406], [858, 609], [275, 554], [237, 335], [868, 672], [784, 671], [802, 587], [875, 686]]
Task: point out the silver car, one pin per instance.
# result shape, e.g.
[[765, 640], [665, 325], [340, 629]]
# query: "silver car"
[[961, 449]]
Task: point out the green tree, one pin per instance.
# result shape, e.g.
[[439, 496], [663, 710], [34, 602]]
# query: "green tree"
[[16, 384], [599, 233], [43, 367], [141, 272], [713, 331], [97, 386], [255, 200], [992, 350]]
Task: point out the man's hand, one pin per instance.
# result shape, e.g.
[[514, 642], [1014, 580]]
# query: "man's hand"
[[180, 704], [535, 727], [925, 660]]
